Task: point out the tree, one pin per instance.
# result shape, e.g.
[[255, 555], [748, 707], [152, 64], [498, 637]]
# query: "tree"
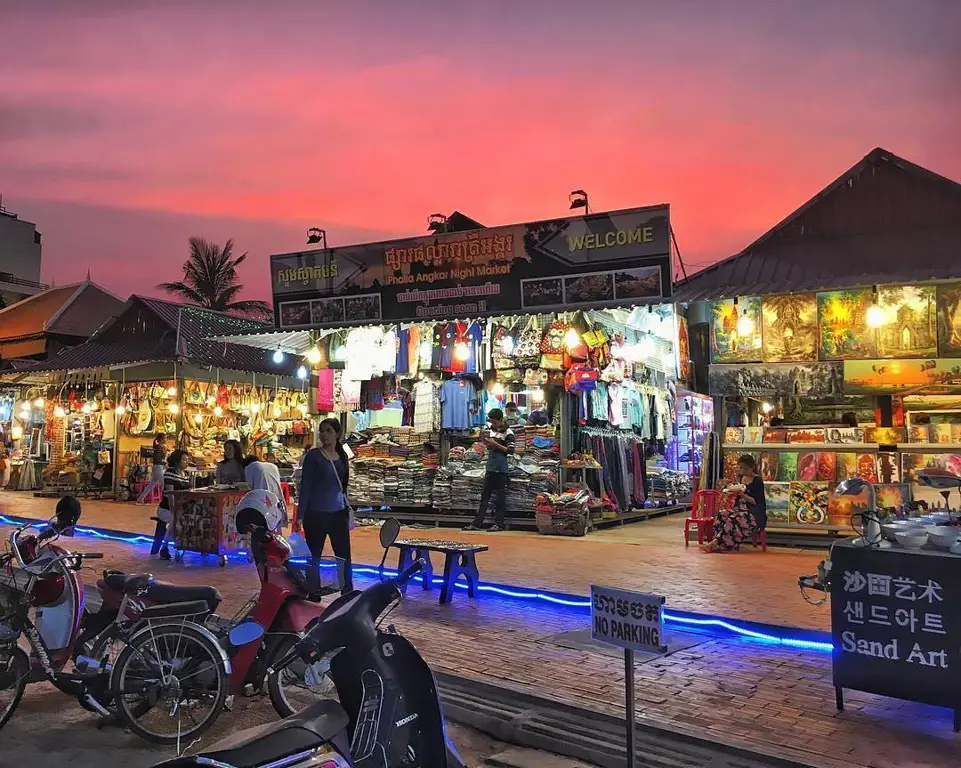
[[210, 280]]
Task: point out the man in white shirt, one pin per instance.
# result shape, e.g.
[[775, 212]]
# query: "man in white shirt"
[[264, 476]]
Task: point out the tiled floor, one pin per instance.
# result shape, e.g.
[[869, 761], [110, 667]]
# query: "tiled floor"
[[651, 556], [762, 697]]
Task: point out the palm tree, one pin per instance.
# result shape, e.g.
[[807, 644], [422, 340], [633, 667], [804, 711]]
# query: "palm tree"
[[210, 280]]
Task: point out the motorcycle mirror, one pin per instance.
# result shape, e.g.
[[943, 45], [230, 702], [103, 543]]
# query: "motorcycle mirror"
[[247, 632], [389, 532]]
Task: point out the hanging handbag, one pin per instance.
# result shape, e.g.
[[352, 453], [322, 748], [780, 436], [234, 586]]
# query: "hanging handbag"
[[552, 362], [527, 348], [501, 359], [552, 342], [351, 520]]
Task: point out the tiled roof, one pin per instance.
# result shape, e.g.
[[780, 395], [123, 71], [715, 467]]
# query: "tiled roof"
[[885, 221], [28, 318]]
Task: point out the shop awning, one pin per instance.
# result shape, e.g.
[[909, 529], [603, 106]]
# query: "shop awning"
[[885, 221], [289, 342]]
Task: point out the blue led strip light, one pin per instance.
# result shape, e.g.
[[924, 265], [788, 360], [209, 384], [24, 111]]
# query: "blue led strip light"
[[679, 620]]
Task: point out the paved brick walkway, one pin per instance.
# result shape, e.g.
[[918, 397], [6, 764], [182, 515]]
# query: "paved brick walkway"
[[651, 556], [761, 697]]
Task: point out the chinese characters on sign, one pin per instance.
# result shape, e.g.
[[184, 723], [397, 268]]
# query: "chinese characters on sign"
[[630, 620], [896, 623]]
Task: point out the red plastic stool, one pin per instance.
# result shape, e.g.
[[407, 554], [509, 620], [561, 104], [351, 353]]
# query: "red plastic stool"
[[760, 538]]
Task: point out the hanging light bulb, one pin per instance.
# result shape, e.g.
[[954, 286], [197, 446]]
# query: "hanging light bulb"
[[278, 357], [39, 402], [875, 316], [255, 407], [171, 391], [745, 324], [211, 401], [173, 408], [218, 411], [86, 408], [537, 395], [121, 410], [572, 338], [461, 350], [313, 355], [497, 390], [16, 433], [507, 345], [276, 411], [94, 405], [59, 412], [767, 407], [198, 418], [301, 373]]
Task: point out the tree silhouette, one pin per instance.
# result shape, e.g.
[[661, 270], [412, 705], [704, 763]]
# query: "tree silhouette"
[[210, 280]]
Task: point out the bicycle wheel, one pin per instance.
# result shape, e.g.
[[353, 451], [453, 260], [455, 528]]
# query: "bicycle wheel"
[[14, 668], [170, 682], [294, 689]]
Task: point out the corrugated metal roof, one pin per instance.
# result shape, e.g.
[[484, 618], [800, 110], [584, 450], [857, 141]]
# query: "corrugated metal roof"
[[885, 221], [92, 354]]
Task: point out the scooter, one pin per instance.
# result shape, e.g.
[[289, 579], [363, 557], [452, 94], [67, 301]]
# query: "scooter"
[[389, 715]]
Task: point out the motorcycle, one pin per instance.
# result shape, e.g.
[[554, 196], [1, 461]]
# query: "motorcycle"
[[159, 651], [388, 714]]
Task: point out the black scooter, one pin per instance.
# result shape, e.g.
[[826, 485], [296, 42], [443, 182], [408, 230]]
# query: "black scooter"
[[389, 715]]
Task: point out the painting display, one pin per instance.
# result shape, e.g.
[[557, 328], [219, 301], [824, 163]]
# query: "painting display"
[[777, 379], [893, 496], [777, 496], [736, 330], [843, 331], [867, 467], [770, 461], [789, 329], [844, 435], [840, 508], [787, 466], [909, 327], [808, 503], [752, 435], [847, 465], [885, 377], [885, 435], [912, 462], [949, 319], [889, 468], [812, 435]]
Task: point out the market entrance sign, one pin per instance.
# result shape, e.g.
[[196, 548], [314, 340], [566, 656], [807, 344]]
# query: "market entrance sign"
[[608, 259]]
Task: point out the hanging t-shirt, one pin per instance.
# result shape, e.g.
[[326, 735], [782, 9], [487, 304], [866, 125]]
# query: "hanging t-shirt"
[[401, 359], [600, 405], [325, 390], [456, 396], [616, 393], [448, 332], [437, 347], [385, 350], [426, 406], [458, 362], [474, 340], [413, 350], [375, 394]]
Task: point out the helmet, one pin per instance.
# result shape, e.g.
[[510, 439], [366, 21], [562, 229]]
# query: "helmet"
[[67, 514], [259, 508]]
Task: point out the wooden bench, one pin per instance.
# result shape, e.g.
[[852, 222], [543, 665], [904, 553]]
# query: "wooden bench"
[[460, 560]]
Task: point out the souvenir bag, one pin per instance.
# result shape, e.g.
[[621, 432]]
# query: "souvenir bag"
[[236, 398], [552, 362], [351, 520], [501, 360], [552, 342], [531, 377], [223, 396], [581, 378], [527, 348]]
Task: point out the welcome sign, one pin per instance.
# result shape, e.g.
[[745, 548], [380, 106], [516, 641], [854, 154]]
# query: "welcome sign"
[[618, 258]]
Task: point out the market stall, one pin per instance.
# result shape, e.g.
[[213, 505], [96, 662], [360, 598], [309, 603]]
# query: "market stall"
[[561, 324], [205, 523]]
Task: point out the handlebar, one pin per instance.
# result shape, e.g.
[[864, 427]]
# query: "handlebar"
[[310, 644]]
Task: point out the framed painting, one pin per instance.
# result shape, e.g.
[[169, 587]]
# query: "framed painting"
[[847, 465], [893, 496], [787, 466], [736, 330], [843, 332], [885, 435], [777, 496], [809, 435], [867, 467], [770, 461], [932, 376], [910, 316], [807, 466], [949, 319], [808, 503], [889, 468], [789, 328], [844, 435]]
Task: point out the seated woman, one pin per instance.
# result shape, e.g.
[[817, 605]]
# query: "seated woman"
[[747, 516]]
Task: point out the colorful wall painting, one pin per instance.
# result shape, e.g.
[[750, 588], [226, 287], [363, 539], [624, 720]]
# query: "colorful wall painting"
[[912, 462], [840, 508], [787, 466], [790, 328], [847, 465], [773, 379], [809, 435], [885, 377], [867, 467], [844, 435], [683, 349], [774, 435], [910, 327], [734, 435], [731, 341], [807, 466], [770, 461], [919, 433], [808, 503], [949, 319], [893, 496], [889, 468], [842, 324], [777, 496], [885, 435], [753, 435], [828, 466]]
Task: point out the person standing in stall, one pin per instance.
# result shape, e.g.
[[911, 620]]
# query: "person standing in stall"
[[322, 506], [175, 479], [500, 445], [231, 469], [159, 466]]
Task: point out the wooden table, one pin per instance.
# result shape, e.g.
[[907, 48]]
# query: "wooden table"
[[204, 522], [459, 560]]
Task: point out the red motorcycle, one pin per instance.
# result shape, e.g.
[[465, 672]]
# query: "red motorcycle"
[[285, 607]]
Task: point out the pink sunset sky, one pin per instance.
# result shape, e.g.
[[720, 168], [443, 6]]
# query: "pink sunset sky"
[[123, 132]]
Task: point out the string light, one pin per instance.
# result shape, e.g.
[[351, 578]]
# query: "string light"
[[301, 373], [278, 357], [745, 324], [507, 345], [461, 350], [173, 408], [572, 338], [39, 402], [313, 355], [86, 408], [875, 316], [121, 410], [767, 407], [171, 391], [537, 395], [255, 407], [59, 412], [218, 411], [198, 419]]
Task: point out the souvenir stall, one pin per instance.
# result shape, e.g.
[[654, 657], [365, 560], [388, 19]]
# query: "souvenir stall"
[[414, 341], [205, 523], [883, 357]]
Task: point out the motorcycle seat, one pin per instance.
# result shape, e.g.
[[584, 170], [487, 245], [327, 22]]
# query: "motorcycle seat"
[[143, 585], [127, 583], [272, 742]]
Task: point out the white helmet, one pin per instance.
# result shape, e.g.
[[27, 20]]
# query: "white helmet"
[[260, 508]]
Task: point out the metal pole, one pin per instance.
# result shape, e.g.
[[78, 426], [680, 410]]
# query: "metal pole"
[[629, 704]]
